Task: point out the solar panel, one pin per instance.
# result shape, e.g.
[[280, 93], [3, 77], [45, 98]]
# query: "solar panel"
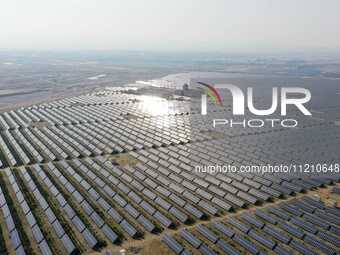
[[179, 201], [109, 191], [94, 194], [190, 238], [280, 213], [207, 233], [248, 245], [148, 225], [316, 220], [61, 200], [104, 204], [262, 239], [247, 197], [120, 200], [291, 229], [252, 220], [319, 244], [301, 248], [172, 244], [235, 200], [112, 236], [20, 250], [277, 234], [132, 211], [58, 228], [5, 211], [45, 249], [212, 210], [291, 209], [97, 219], [190, 196], [25, 208], [164, 204], [15, 239], [327, 217], [228, 249], [162, 219], [2, 200], [239, 225], [10, 223], [128, 228], [265, 216], [37, 234], [31, 219], [333, 211], [90, 239], [135, 197], [205, 250], [304, 225], [281, 251], [147, 207], [195, 212], [179, 215]]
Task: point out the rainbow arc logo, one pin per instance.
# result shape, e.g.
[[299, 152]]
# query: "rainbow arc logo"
[[212, 93]]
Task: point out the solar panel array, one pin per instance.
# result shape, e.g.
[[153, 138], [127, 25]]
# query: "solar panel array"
[[88, 172], [305, 226]]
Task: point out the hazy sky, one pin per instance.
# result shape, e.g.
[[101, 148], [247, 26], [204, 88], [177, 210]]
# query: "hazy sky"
[[170, 24]]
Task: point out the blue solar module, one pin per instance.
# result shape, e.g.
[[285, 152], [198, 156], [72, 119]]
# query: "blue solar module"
[[172, 244], [190, 238]]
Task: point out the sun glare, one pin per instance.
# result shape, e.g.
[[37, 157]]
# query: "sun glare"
[[155, 105]]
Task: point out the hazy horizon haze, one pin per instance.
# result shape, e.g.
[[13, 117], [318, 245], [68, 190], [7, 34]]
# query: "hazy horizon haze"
[[187, 25]]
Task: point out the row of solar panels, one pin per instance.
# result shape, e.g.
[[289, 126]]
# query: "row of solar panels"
[[303, 226], [134, 135], [69, 209], [82, 114], [72, 115], [12, 226], [134, 105], [247, 192], [138, 137], [114, 196], [323, 144], [39, 145], [13, 119], [139, 205], [24, 118], [34, 145], [143, 195], [231, 151], [15, 244], [92, 193], [170, 169], [102, 97], [162, 189], [55, 215], [104, 193], [135, 203], [138, 193], [197, 123]]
